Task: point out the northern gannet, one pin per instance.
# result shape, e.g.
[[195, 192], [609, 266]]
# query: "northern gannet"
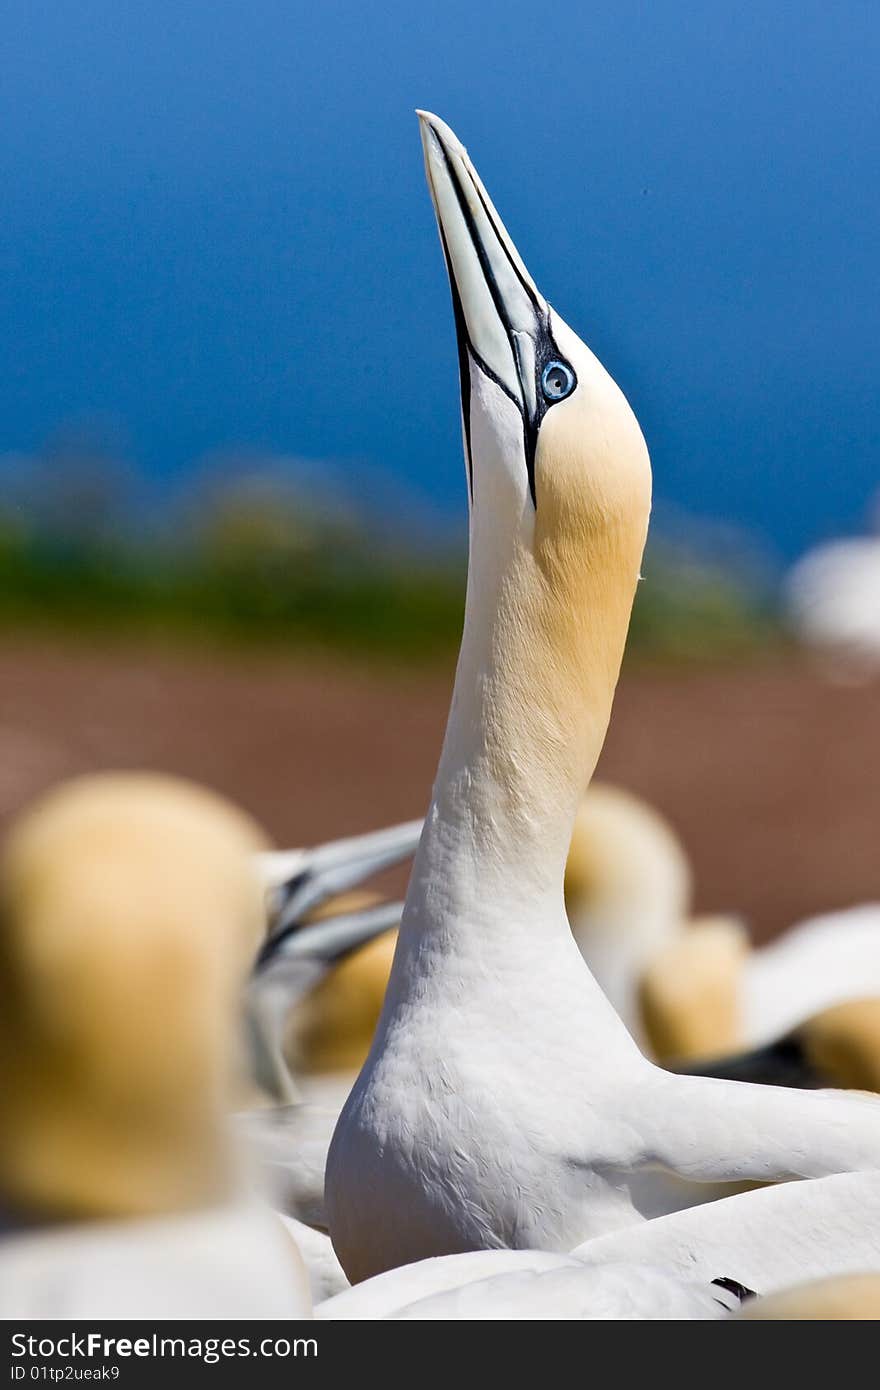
[[298, 881], [848, 1298], [628, 890], [290, 970], [317, 929], [831, 597], [290, 1138], [129, 916], [627, 895], [838, 1047], [755, 996], [503, 1102], [695, 987]]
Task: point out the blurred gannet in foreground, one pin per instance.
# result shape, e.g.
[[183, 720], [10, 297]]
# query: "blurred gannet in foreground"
[[503, 1102], [847, 1298], [129, 916]]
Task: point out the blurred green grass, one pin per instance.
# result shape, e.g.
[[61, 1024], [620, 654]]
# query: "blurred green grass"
[[254, 559]]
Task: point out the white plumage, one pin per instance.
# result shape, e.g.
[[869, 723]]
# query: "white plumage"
[[503, 1103]]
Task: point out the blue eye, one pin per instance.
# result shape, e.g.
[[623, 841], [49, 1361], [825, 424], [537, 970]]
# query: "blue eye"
[[557, 381]]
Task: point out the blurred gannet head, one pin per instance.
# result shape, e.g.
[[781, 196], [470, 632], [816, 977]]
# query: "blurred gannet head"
[[843, 1298], [332, 1027], [689, 994], [130, 913], [842, 1044], [559, 485], [627, 889]]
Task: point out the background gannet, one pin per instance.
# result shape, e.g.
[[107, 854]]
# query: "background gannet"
[[314, 993], [627, 894], [290, 1138], [628, 887], [695, 987], [503, 1102], [129, 915], [299, 881], [849, 1297], [766, 992], [838, 1047], [831, 599]]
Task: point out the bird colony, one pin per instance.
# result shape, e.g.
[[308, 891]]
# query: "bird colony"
[[236, 1084]]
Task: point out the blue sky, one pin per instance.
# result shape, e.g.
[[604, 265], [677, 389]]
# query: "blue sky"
[[216, 233]]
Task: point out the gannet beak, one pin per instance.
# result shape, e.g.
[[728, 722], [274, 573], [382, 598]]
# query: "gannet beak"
[[502, 320]]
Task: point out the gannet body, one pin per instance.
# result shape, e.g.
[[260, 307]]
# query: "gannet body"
[[618, 1293], [503, 1102], [386, 1294], [527, 1284]]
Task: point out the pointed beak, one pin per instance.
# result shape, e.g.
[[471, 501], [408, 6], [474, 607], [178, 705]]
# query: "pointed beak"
[[502, 319], [500, 302]]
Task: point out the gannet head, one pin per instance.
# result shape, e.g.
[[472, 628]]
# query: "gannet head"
[[332, 1029], [559, 480], [840, 1298], [628, 888], [690, 992], [549, 438], [130, 912]]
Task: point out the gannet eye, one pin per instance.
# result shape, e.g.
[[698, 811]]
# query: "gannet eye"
[[557, 381]]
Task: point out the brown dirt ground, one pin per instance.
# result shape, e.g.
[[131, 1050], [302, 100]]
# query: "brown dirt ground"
[[771, 775]]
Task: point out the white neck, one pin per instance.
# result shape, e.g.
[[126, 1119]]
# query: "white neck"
[[517, 754], [548, 602]]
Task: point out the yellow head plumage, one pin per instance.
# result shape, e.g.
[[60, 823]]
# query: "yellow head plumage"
[[129, 914], [689, 994], [844, 1298], [332, 1028]]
